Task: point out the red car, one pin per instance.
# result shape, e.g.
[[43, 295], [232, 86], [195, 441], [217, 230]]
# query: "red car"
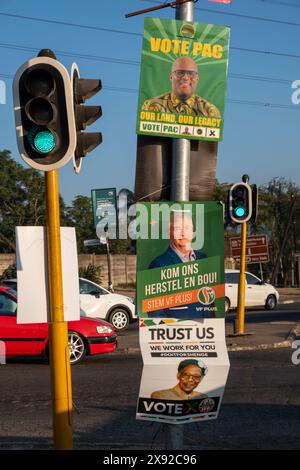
[[86, 336]]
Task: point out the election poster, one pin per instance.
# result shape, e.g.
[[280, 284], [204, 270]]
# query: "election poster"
[[180, 302], [180, 266], [104, 203], [185, 370], [183, 79]]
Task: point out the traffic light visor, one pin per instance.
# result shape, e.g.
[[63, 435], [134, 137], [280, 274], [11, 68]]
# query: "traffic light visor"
[[39, 82]]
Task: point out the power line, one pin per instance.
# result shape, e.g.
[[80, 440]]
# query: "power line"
[[72, 54], [260, 78], [137, 63], [246, 102], [117, 31], [259, 51], [284, 4], [238, 76], [238, 15], [265, 105], [65, 23]]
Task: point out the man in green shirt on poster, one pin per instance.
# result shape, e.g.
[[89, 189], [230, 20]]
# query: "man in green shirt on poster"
[[182, 99]]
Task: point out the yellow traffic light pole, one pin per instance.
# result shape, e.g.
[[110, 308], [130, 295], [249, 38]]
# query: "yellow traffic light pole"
[[242, 282], [58, 329]]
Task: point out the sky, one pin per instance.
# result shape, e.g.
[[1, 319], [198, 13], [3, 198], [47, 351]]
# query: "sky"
[[261, 130]]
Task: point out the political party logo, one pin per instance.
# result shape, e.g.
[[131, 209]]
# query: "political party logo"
[[187, 30], [206, 295], [206, 405]]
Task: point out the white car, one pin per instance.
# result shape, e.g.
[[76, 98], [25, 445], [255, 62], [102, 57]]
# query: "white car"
[[97, 302], [257, 292]]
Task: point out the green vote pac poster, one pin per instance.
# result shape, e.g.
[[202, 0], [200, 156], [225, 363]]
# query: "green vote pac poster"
[[183, 79], [180, 260]]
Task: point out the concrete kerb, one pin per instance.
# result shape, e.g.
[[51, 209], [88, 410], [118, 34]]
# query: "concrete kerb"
[[287, 343]]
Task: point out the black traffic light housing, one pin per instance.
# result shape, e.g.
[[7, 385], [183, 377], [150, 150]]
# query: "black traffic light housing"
[[254, 203], [239, 204], [83, 89], [45, 124]]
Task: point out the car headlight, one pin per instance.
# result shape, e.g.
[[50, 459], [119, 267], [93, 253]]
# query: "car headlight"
[[130, 299], [104, 329]]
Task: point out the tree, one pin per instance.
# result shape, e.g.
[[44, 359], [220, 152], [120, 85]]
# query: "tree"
[[22, 196], [80, 216], [274, 207], [276, 203]]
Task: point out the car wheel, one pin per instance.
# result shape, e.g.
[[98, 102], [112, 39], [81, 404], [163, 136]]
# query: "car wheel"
[[119, 318], [77, 347], [227, 305], [270, 302]]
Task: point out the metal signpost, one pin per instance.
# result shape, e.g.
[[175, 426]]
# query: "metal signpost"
[[104, 202]]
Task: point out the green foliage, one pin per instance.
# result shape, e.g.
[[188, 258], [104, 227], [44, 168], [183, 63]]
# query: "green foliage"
[[22, 196], [93, 273], [81, 217], [274, 207], [9, 273], [120, 247]]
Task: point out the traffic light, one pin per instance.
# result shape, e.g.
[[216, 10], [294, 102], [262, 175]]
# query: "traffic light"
[[45, 125], [83, 89], [240, 203]]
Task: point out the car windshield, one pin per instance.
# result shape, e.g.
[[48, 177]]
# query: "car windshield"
[[232, 278], [11, 283], [252, 280], [86, 287], [12, 291], [7, 305]]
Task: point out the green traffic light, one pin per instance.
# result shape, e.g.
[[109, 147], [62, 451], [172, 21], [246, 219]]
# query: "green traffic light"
[[240, 211], [44, 141]]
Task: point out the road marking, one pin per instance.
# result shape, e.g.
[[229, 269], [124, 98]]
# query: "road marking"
[[282, 322]]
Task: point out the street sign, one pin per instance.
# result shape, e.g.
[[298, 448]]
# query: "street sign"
[[257, 250], [95, 242], [104, 203]]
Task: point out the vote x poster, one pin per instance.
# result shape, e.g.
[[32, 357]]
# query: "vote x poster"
[[183, 79], [180, 301], [185, 370]]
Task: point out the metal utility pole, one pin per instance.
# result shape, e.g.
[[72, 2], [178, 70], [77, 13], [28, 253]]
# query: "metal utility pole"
[[180, 183], [242, 282], [110, 279]]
